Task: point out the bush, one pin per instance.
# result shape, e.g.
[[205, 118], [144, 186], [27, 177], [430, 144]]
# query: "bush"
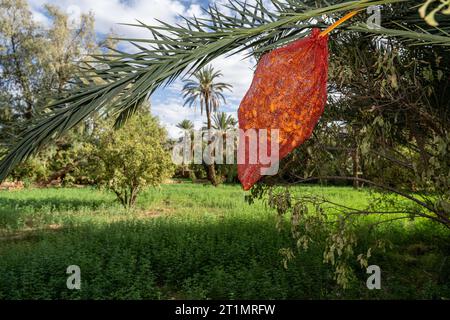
[[61, 162], [131, 158], [32, 170]]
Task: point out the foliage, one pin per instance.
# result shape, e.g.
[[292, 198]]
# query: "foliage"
[[129, 159], [189, 241], [431, 8], [400, 121], [61, 163], [37, 63], [223, 122], [205, 90], [385, 127], [186, 125], [31, 171]]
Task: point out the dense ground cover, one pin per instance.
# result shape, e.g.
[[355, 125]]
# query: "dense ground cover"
[[195, 241]]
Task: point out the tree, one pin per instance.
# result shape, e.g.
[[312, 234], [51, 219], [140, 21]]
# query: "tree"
[[392, 134], [37, 63], [204, 90], [129, 159], [185, 125], [385, 126], [188, 131], [223, 122]]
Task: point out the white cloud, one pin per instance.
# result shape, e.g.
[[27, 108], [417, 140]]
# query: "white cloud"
[[171, 112], [109, 14], [238, 72]]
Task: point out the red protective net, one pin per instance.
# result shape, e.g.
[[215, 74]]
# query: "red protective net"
[[288, 92]]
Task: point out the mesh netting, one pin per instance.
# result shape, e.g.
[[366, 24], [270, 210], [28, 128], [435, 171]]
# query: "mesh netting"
[[288, 93]]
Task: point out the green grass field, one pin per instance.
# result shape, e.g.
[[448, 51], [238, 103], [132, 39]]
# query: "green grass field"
[[187, 241]]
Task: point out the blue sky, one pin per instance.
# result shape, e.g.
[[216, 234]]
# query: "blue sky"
[[167, 104]]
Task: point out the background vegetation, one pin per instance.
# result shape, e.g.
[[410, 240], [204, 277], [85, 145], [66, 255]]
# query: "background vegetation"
[[194, 241]]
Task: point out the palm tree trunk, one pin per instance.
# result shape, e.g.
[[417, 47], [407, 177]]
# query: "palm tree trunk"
[[211, 172]]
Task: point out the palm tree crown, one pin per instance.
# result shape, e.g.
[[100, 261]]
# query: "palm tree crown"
[[204, 89], [185, 125], [223, 122]]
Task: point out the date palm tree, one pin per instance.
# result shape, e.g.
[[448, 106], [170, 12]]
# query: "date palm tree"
[[185, 125], [118, 82], [206, 91], [188, 130], [223, 122]]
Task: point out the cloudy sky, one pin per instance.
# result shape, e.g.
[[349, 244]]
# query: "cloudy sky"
[[167, 104]]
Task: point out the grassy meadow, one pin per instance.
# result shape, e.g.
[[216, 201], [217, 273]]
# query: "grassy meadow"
[[193, 241]]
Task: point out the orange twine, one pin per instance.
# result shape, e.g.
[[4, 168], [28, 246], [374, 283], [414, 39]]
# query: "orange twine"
[[337, 23]]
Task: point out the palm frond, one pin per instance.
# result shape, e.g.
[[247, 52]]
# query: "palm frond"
[[410, 37], [223, 122]]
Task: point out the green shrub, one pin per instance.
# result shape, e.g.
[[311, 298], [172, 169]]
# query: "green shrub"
[[131, 158], [32, 170]]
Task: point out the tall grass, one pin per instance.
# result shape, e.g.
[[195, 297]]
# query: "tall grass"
[[194, 241]]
